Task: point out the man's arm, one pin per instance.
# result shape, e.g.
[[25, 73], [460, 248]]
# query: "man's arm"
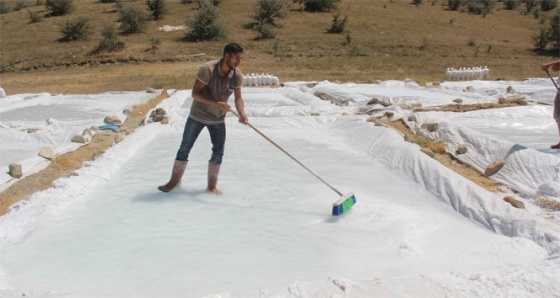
[[555, 65], [240, 106], [197, 95]]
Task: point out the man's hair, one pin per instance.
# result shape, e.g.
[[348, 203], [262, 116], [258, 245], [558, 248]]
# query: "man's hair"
[[232, 48]]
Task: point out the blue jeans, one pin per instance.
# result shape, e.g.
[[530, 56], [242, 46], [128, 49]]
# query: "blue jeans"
[[191, 133]]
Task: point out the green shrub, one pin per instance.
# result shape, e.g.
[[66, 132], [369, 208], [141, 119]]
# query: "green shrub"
[[529, 5], [34, 17], [548, 5], [157, 7], [266, 11], [20, 5], [540, 40], [318, 5], [77, 29], [338, 25], [4, 9], [264, 31], [59, 7], [455, 4], [511, 4], [109, 42], [480, 7], [133, 20], [205, 25]]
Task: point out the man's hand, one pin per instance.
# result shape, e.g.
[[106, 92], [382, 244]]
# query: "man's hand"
[[555, 66], [243, 119], [223, 105]]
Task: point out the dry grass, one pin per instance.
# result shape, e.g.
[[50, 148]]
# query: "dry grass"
[[548, 204], [390, 39]]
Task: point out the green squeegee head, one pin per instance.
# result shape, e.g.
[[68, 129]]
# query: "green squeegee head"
[[344, 204]]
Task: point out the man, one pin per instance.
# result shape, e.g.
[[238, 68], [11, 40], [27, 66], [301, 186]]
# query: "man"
[[214, 84], [556, 114]]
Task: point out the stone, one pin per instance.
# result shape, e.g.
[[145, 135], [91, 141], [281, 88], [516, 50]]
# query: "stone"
[[431, 127], [515, 203], [15, 170], [79, 139], [112, 120], [462, 149], [494, 168], [47, 153]]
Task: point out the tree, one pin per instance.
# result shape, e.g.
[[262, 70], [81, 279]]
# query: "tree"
[[266, 11], [59, 7], [133, 20], [205, 25], [157, 7], [318, 5]]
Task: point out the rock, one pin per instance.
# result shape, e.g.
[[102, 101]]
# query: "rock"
[[158, 115], [431, 127], [515, 203], [47, 153], [462, 149], [333, 99], [79, 139], [522, 102], [412, 118], [458, 100], [374, 101], [88, 132], [469, 89], [165, 120], [151, 90], [408, 138], [389, 114], [114, 120], [15, 170], [494, 168], [32, 130]]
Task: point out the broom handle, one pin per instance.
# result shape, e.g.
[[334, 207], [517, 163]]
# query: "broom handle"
[[552, 79], [282, 149]]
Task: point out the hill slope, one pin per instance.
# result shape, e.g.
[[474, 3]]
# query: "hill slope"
[[390, 39]]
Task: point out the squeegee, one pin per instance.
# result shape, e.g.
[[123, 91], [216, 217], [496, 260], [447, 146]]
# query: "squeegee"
[[342, 205]]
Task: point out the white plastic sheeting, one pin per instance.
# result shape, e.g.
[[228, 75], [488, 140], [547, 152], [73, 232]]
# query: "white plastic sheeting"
[[418, 228]]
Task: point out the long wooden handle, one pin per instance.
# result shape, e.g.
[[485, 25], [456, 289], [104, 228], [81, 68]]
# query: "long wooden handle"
[[283, 150], [553, 81]]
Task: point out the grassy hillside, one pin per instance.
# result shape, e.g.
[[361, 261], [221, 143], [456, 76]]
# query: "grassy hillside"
[[389, 39]]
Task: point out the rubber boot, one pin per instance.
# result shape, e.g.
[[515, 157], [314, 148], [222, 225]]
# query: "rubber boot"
[[176, 174], [213, 172]]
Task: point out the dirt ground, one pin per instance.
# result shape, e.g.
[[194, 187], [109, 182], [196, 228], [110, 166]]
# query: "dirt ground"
[[450, 162]]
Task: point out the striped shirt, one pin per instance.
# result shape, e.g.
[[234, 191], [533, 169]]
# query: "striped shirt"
[[218, 87]]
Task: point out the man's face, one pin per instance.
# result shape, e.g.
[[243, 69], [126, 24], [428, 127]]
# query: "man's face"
[[233, 60]]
